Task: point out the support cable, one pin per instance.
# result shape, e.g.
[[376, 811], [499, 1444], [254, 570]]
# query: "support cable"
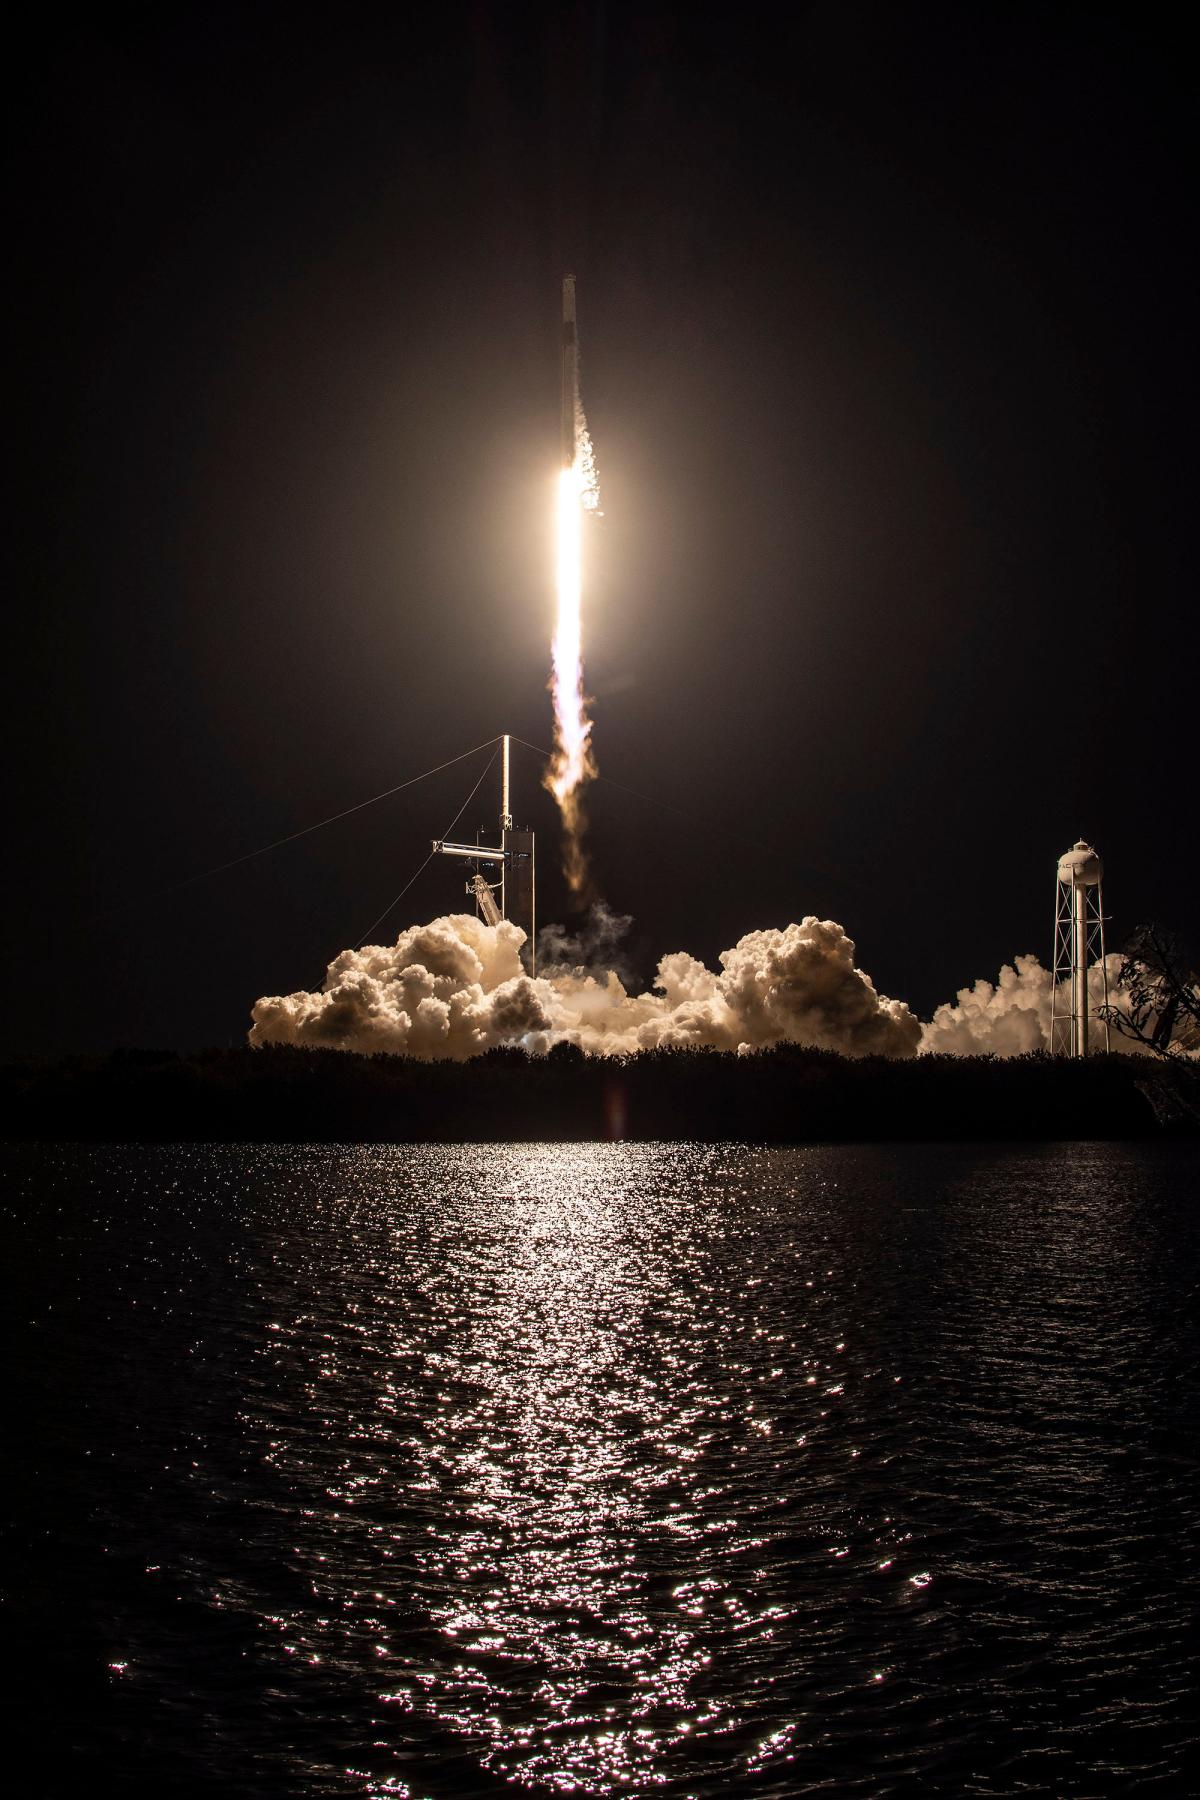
[[450, 827], [306, 830]]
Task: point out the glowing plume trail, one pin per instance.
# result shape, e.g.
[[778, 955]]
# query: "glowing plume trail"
[[572, 764]]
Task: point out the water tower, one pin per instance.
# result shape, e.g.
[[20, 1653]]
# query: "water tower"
[[1078, 943]]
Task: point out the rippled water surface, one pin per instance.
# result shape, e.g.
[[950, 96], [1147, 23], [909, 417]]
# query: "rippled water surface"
[[615, 1470]]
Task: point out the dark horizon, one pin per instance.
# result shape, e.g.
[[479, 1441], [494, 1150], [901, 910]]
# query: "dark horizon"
[[887, 358]]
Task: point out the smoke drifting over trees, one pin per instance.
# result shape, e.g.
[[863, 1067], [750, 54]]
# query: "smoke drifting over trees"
[[1010, 1016], [456, 987]]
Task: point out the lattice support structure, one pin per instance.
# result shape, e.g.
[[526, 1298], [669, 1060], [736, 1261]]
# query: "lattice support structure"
[[1077, 1024], [513, 860]]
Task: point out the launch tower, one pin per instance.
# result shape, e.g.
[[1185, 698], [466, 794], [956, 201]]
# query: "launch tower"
[[1078, 943], [513, 896]]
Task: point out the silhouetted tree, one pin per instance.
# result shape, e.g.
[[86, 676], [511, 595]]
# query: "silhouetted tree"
[[1158, 991]]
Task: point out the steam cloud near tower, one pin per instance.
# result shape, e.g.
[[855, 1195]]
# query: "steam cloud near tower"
[[456, 987]]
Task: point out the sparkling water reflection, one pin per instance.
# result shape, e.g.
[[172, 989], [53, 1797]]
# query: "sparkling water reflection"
[[619, 1469]]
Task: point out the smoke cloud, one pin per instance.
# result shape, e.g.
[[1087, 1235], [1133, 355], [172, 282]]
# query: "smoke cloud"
[[1005, 1018], [1012, 1015], [456, 987], [598, 944]]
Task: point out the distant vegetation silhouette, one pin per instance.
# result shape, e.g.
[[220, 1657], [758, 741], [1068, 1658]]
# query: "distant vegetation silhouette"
[[784, 1095]]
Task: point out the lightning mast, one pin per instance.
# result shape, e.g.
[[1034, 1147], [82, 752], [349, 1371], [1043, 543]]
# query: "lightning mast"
[[513, 857]]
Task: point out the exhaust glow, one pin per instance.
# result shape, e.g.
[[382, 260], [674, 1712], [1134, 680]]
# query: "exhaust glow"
[[572, 764]]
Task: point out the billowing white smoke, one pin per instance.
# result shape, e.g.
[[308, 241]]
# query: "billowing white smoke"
[[456, 987], [1002, 1019], [1012, 1015]]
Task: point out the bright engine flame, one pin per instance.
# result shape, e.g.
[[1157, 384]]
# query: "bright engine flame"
[[572, 764]]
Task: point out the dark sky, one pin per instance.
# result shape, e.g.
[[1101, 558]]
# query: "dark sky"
[[887, 352]]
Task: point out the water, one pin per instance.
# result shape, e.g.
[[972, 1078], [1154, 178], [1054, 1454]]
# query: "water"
[[605, 1470]]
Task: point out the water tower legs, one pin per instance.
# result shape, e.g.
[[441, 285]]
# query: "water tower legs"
[[1078, 944]]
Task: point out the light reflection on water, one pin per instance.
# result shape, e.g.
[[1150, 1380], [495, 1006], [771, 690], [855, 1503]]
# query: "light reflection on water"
[[597, 1383], [623, 1469]]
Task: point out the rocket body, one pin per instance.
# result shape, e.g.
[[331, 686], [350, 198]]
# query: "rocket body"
[[570, 372]]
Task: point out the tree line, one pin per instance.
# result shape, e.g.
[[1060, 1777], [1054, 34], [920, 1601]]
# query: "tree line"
[[789, 1094]]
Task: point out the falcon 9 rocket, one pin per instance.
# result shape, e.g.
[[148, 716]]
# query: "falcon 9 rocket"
[[570, 373]]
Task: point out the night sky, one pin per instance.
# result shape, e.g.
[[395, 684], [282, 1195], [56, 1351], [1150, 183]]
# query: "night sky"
[[885, 314]]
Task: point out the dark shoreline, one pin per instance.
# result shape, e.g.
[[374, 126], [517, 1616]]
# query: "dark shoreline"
[[785, 1095]]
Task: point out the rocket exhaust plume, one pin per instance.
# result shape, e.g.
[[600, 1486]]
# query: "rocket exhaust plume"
[[573, 764]]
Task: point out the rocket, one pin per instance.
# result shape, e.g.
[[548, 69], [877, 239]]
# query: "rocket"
[[570, 372]]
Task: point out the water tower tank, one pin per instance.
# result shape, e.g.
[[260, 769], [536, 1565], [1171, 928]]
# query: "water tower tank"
[[1080, 866]]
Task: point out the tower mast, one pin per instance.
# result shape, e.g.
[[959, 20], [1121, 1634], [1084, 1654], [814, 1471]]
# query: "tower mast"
[[513, 857]]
